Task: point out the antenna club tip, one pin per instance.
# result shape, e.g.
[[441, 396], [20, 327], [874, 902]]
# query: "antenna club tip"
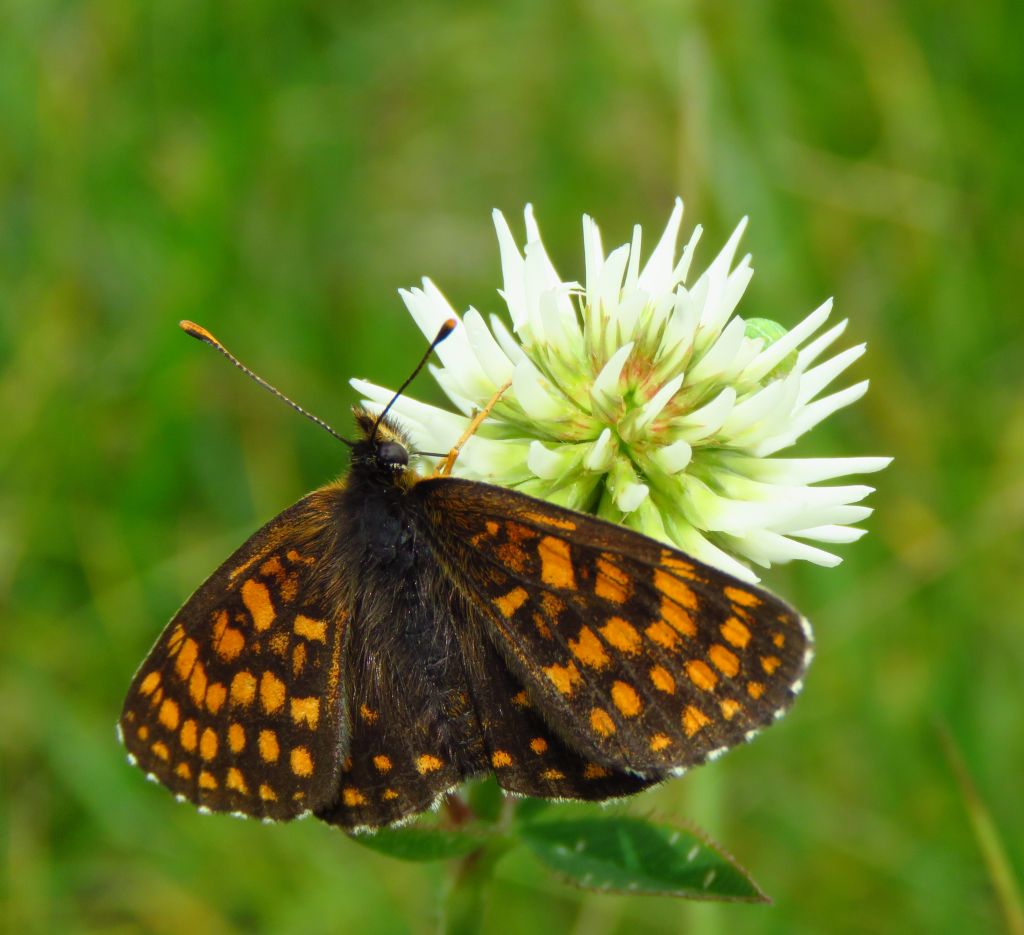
[[446, 329], [197, 331]]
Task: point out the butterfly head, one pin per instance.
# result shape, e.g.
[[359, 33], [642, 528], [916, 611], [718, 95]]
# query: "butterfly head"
[[382, 444]]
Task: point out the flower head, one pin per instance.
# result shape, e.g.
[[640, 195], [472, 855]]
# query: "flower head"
[[645, 400]]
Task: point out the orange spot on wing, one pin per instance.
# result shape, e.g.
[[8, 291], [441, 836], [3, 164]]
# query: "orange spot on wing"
[[622, 635], [674, 615], [539, 745], [174, 640], [662, 634], [267, 794], [556, 563], [659, 742], [256, 597], [544, 519], [269, 748], [207, 780], [388, 795], [148, 685], [512, 556], [278, 643], [310, 629], [729, 706], [770, 664], [298, 659], [306, 711], [169, 714], [208, 744], [186, 658], [520, 700], [564, 678], [236, 738], [228, 642], [735, 632], [676, 590], [272, 567], [779, 640], [725, 661], [509, 603], [197, 684], [677, 564], [552, 775], [701, 675], [741, 597], [243, 688], [183, 770], [755, 690], [352, 797], [427, 764], [593, 771], [612, 583], [662, 680], [301, 762], [626, 699], [602, 722], [588, 649], [236, 781], [552, 606], [383, 763], [694, 719], [272, 692], [500, 758], [189, 736], [368, 714], [160, 750], [216, 693]]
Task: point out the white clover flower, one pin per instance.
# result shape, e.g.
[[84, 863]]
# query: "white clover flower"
[[646, 401]]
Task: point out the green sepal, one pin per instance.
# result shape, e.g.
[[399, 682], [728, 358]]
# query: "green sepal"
[[770, 332]]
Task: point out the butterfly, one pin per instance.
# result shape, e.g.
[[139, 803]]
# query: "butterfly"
[[392, 635]]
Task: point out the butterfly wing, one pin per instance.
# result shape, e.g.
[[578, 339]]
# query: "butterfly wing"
[[638, 656], [526, 756], [398, 763], [238, 705]]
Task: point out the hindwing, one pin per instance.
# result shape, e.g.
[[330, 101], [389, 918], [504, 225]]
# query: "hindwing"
[[640, 657]]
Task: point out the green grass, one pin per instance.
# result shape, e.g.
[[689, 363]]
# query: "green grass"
[[276, 170]]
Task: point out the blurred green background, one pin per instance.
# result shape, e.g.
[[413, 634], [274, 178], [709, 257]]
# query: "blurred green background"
[[276, 170]]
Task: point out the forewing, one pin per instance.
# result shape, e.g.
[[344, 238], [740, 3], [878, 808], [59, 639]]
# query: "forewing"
[[237, 707], [639, 656]]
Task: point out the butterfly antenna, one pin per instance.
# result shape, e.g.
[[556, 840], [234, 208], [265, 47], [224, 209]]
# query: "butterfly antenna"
[[446, 329], [201, 334]]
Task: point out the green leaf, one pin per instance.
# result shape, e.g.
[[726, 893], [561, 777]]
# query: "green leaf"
[[634, 855], [424, 842]]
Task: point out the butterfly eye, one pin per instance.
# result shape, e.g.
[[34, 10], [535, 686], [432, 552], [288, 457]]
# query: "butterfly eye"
[[392, 453]]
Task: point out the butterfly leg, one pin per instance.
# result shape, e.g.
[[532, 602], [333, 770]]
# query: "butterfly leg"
[[445, 468]]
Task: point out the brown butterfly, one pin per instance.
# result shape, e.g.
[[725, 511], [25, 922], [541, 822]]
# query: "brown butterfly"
[[391, 635]]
